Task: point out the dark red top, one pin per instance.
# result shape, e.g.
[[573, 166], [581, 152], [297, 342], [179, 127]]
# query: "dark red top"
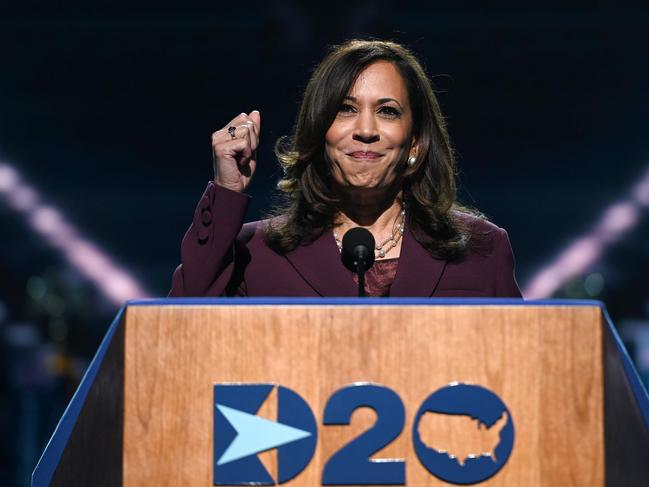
[[379, 278]]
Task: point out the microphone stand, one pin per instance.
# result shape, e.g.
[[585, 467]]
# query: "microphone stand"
[[361, 280], [360, 262]]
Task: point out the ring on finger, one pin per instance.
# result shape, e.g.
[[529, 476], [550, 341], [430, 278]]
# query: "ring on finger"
[[232, 131]]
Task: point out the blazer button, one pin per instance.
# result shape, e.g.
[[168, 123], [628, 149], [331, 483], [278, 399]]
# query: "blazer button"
[[206, 217], [202, 234]]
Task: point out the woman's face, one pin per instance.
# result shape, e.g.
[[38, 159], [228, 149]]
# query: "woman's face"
[[372, 131]]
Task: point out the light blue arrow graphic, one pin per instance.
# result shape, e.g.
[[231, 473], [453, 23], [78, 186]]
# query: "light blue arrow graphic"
[[255, 434]]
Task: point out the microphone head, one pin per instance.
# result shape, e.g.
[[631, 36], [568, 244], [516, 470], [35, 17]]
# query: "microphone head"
[[358, 249]]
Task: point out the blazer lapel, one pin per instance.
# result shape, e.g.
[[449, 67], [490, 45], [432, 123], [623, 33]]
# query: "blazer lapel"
[[319, 264], [417, 272]]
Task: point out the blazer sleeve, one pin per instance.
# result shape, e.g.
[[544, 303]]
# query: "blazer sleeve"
[[506, 285], [207, 249]]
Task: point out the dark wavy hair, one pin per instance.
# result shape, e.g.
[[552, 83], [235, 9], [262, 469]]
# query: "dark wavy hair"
[[429, 187]]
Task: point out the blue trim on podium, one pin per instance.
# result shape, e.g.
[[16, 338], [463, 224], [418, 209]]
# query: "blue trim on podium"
[[51, 457], [362, 301], [637, 387]]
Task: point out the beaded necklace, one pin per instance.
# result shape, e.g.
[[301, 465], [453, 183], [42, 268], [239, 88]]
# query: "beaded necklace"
[[391, 242]]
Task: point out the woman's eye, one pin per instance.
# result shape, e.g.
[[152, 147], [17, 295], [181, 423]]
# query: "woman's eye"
[[346, 108], [390, 112]]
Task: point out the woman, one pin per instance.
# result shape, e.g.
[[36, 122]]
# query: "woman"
[[370, 149]]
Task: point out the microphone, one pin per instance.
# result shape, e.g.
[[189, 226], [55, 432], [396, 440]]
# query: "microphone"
[[358, 254]]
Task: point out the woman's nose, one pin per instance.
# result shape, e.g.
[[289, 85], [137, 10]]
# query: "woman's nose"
[[366, 130]]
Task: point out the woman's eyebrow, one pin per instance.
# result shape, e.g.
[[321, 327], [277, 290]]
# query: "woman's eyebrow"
[[385, 100], [379, 101]]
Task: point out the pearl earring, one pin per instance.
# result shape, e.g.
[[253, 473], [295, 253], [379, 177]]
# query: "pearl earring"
[[411, 161]]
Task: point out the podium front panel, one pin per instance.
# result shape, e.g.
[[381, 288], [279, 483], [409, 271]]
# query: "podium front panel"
[[543, 362]]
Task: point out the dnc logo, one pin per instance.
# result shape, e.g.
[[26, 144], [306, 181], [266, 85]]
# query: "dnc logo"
[[240, 434]]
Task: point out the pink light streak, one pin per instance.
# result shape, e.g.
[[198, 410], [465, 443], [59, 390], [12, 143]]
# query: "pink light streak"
[[616, 220], [115, 283]]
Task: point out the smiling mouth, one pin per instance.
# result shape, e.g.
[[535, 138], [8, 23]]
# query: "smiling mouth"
[[364, 155]]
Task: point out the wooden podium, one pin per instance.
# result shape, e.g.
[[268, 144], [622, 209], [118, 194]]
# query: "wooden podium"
[[145, 412]]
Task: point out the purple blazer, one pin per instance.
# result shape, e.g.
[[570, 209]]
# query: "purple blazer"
[[222, 257]]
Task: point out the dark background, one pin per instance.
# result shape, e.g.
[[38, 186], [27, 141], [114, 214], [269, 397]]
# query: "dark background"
[[107, 112]]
